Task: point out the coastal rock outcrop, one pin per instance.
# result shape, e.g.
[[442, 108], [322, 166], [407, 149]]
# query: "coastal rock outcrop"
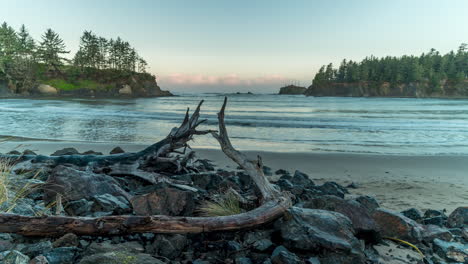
[[292, 89]]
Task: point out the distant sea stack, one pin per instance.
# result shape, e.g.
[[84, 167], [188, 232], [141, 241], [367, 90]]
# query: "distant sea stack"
[[292, 89]]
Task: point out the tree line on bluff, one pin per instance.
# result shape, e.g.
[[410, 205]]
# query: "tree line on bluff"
[[24, 60], [431, 69]]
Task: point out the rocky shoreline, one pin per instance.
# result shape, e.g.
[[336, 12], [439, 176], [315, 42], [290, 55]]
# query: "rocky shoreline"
[[324, 225]]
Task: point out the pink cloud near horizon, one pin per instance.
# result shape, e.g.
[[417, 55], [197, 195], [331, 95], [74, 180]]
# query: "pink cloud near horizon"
[[225, 80]]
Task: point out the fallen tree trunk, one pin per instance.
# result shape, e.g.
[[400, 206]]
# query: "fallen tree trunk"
[[125, 224]]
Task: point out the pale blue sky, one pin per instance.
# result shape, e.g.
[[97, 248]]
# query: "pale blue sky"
[[239, 45]]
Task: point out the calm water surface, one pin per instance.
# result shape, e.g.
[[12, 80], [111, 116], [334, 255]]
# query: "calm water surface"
[[255, 122]]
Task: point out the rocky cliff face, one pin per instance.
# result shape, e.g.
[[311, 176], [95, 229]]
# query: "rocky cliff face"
[[292, 89], [385, 89], [101, 84]]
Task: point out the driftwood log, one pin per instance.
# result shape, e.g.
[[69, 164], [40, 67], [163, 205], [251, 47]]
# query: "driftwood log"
[[274, 203]]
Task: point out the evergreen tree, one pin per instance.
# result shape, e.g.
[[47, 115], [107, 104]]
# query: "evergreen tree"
[[51, 48]]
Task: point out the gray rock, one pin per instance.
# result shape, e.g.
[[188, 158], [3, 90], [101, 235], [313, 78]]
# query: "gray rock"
[[393, 224], [14, 257], [283, 256], [61, 255], [165, 201], [319, 230], [333, 188], [433, 213], [300, 178], [35, 249], [109, 203], [105, 247], [432, 232], [169, 246], [282, 172], [369, 202], [75, 185], [233, 246], [67, 240], [451, 250], [65, 152], [14, 152], [262, 244], [39, 260], [243, 260], [120, 257], [267, 171], [459, 217], [436, 220], [363, 223], [413, 214], [313, 260]]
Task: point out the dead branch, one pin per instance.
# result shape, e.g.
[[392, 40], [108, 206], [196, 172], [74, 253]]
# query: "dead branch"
[[253, 168]]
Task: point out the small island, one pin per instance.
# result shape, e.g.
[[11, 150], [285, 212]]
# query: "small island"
[[100, 68], [292, 89], [429, 75]]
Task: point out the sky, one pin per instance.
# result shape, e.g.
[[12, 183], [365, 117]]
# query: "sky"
[[258, 46]]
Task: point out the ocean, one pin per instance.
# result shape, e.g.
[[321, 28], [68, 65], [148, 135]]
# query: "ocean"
[[280, 123]]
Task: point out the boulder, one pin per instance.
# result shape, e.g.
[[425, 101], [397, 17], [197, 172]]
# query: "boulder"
[[13, 257], [112, 204], [47, 89], [77, 185], [65, 151], [61, 255], [369, 202], [126, 90], [459, 217], [283, 256], [32, 250], [451, 251], [168, 246], [300, 178], [105, 247], [67, 240], [243, 260], [432, 232], [363, 223], [413, 214], [120, 257], [436, 220], [165, 201], [319, 230], [396, 225], [39, 260], [333, 188]]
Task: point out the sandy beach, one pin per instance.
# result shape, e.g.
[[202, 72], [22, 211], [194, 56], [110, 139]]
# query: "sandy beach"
[[398, 182]]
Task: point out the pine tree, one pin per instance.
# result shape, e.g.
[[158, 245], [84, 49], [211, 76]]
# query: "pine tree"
[[51, 48]]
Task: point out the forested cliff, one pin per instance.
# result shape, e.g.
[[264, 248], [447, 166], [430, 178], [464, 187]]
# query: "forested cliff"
[[429, 75], [100, 67]]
